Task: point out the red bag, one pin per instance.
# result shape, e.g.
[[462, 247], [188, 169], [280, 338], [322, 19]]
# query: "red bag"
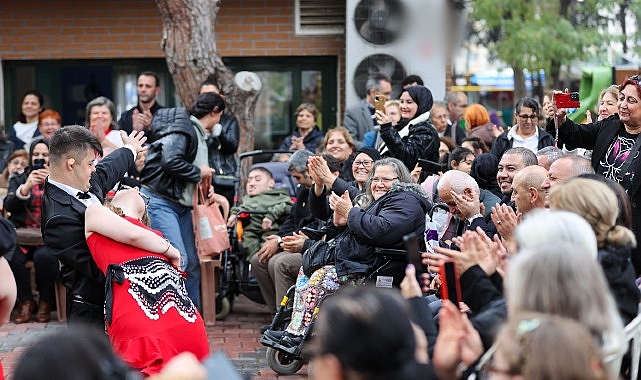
[[210, 225]]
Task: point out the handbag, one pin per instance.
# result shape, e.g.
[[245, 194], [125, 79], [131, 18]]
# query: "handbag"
[[210, 224], [318, 255], [29, 236]]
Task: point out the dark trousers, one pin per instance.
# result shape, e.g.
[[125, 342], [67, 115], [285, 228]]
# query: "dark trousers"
[[47, 271], [81, 312]]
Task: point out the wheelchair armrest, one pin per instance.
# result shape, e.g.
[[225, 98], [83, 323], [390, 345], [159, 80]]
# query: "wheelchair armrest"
[[391, 252]]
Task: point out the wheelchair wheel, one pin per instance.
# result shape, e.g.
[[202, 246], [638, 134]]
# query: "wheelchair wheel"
[[223, 307], [283, 363]]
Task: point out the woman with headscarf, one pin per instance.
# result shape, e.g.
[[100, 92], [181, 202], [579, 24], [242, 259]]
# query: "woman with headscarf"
[[413, 137]]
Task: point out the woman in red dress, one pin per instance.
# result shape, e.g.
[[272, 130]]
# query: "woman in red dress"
[[149, 316]]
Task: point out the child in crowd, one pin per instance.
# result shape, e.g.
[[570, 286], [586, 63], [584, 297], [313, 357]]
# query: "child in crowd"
[[268, 206]]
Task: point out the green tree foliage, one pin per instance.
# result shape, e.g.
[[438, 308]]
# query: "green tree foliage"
[[543, 34]]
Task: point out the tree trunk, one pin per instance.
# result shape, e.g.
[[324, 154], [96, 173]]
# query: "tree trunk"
[[189, 43], [519, 83]]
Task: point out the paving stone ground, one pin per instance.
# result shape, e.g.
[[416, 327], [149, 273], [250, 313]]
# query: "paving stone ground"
[[238, 336]]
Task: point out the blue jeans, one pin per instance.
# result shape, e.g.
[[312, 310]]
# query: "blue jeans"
[[175, 223]]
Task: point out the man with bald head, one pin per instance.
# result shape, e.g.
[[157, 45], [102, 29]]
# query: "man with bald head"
[[527, 189], [564, 168], [461, 194]]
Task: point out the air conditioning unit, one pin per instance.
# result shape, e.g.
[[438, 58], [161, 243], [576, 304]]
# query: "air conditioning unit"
[[397, 38]]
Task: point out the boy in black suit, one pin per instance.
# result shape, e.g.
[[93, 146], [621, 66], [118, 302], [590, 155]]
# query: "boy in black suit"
[[73, 184]]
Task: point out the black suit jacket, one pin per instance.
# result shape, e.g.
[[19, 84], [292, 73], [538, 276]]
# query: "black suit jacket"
[[63, 227]]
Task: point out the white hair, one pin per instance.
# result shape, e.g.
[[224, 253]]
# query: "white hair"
[[458, 181]]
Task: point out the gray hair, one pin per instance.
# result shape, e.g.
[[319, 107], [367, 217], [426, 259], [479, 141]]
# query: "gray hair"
[[555, 278], [298, 161], [555, 226], [401, 171], [374, 82], [102, 101], [551, 153], [458, 181], [527, 156], [580, 164]]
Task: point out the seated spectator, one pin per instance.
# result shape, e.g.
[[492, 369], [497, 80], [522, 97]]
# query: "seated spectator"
[[391, 207], [146, 300], [527, 189], [18, 161], [598, 205], [100, 118], [461, 159], [272, 205], [475, 145], [23, 202], [339, 144], [326, 181], [545, 346], [366, 333], [307, 135], [279, 258]]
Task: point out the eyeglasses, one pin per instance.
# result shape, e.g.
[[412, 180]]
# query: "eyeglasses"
[[145, 197], [365, 163], [531, 117], [383, 180]]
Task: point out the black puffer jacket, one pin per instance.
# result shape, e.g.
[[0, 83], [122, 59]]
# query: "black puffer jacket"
[[620, 275], [168, 166], [383, 224], [222, 149]]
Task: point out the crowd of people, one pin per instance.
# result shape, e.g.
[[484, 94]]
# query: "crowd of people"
[[545, 207]]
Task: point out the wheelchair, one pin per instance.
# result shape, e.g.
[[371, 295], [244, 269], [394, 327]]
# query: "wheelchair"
[[288, 359]]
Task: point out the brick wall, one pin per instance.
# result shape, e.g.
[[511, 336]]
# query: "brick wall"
[[46, 29]]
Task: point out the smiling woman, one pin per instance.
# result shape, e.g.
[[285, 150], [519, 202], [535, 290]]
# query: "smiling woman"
[[614, 143]]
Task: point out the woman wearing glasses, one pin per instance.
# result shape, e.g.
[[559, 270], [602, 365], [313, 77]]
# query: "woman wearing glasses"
[[391, 207], [526, 132], [146, 299], [615, 146]]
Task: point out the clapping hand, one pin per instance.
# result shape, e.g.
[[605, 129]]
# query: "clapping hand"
[[341, 205]]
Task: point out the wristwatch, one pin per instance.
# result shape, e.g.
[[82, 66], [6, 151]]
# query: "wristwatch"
[[279, 238], [471, 218]]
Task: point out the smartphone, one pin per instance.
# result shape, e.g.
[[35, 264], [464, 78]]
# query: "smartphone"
[[38, 163], [379, 103], [450, 284], [565, 100], [413, 254], [430, 167]]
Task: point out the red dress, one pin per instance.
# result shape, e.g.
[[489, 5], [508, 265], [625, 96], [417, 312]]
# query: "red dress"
[[150, 318]]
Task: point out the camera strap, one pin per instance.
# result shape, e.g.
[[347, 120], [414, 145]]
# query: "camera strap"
[[628, 160]]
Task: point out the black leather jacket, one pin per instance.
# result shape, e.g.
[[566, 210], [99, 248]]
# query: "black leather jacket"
[[222, 149], [168, 166]]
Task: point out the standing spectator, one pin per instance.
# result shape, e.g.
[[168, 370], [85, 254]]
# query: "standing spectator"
[[222, 144], [526, 133], [412, 80], [409, 141], [461, 159], [445, 147], [23, 202], [563, 169], [478, 124], [476, 145], [439, 117], [484, 169], [139, 117], [607, 104], [393, 110], [101, 121], [73, 184], [177, 160], [307, 134], [26, 125], [456, 104], [359, 119]]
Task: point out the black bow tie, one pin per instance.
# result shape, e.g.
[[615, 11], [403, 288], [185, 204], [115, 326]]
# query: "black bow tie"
[[83, 195]]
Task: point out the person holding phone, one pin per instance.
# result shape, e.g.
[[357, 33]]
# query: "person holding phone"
[[413, 137], [23, 202]]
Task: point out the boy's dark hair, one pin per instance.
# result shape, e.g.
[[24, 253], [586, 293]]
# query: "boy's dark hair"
[[333, 164], [263, 169], [72, 141], [412, 79]]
